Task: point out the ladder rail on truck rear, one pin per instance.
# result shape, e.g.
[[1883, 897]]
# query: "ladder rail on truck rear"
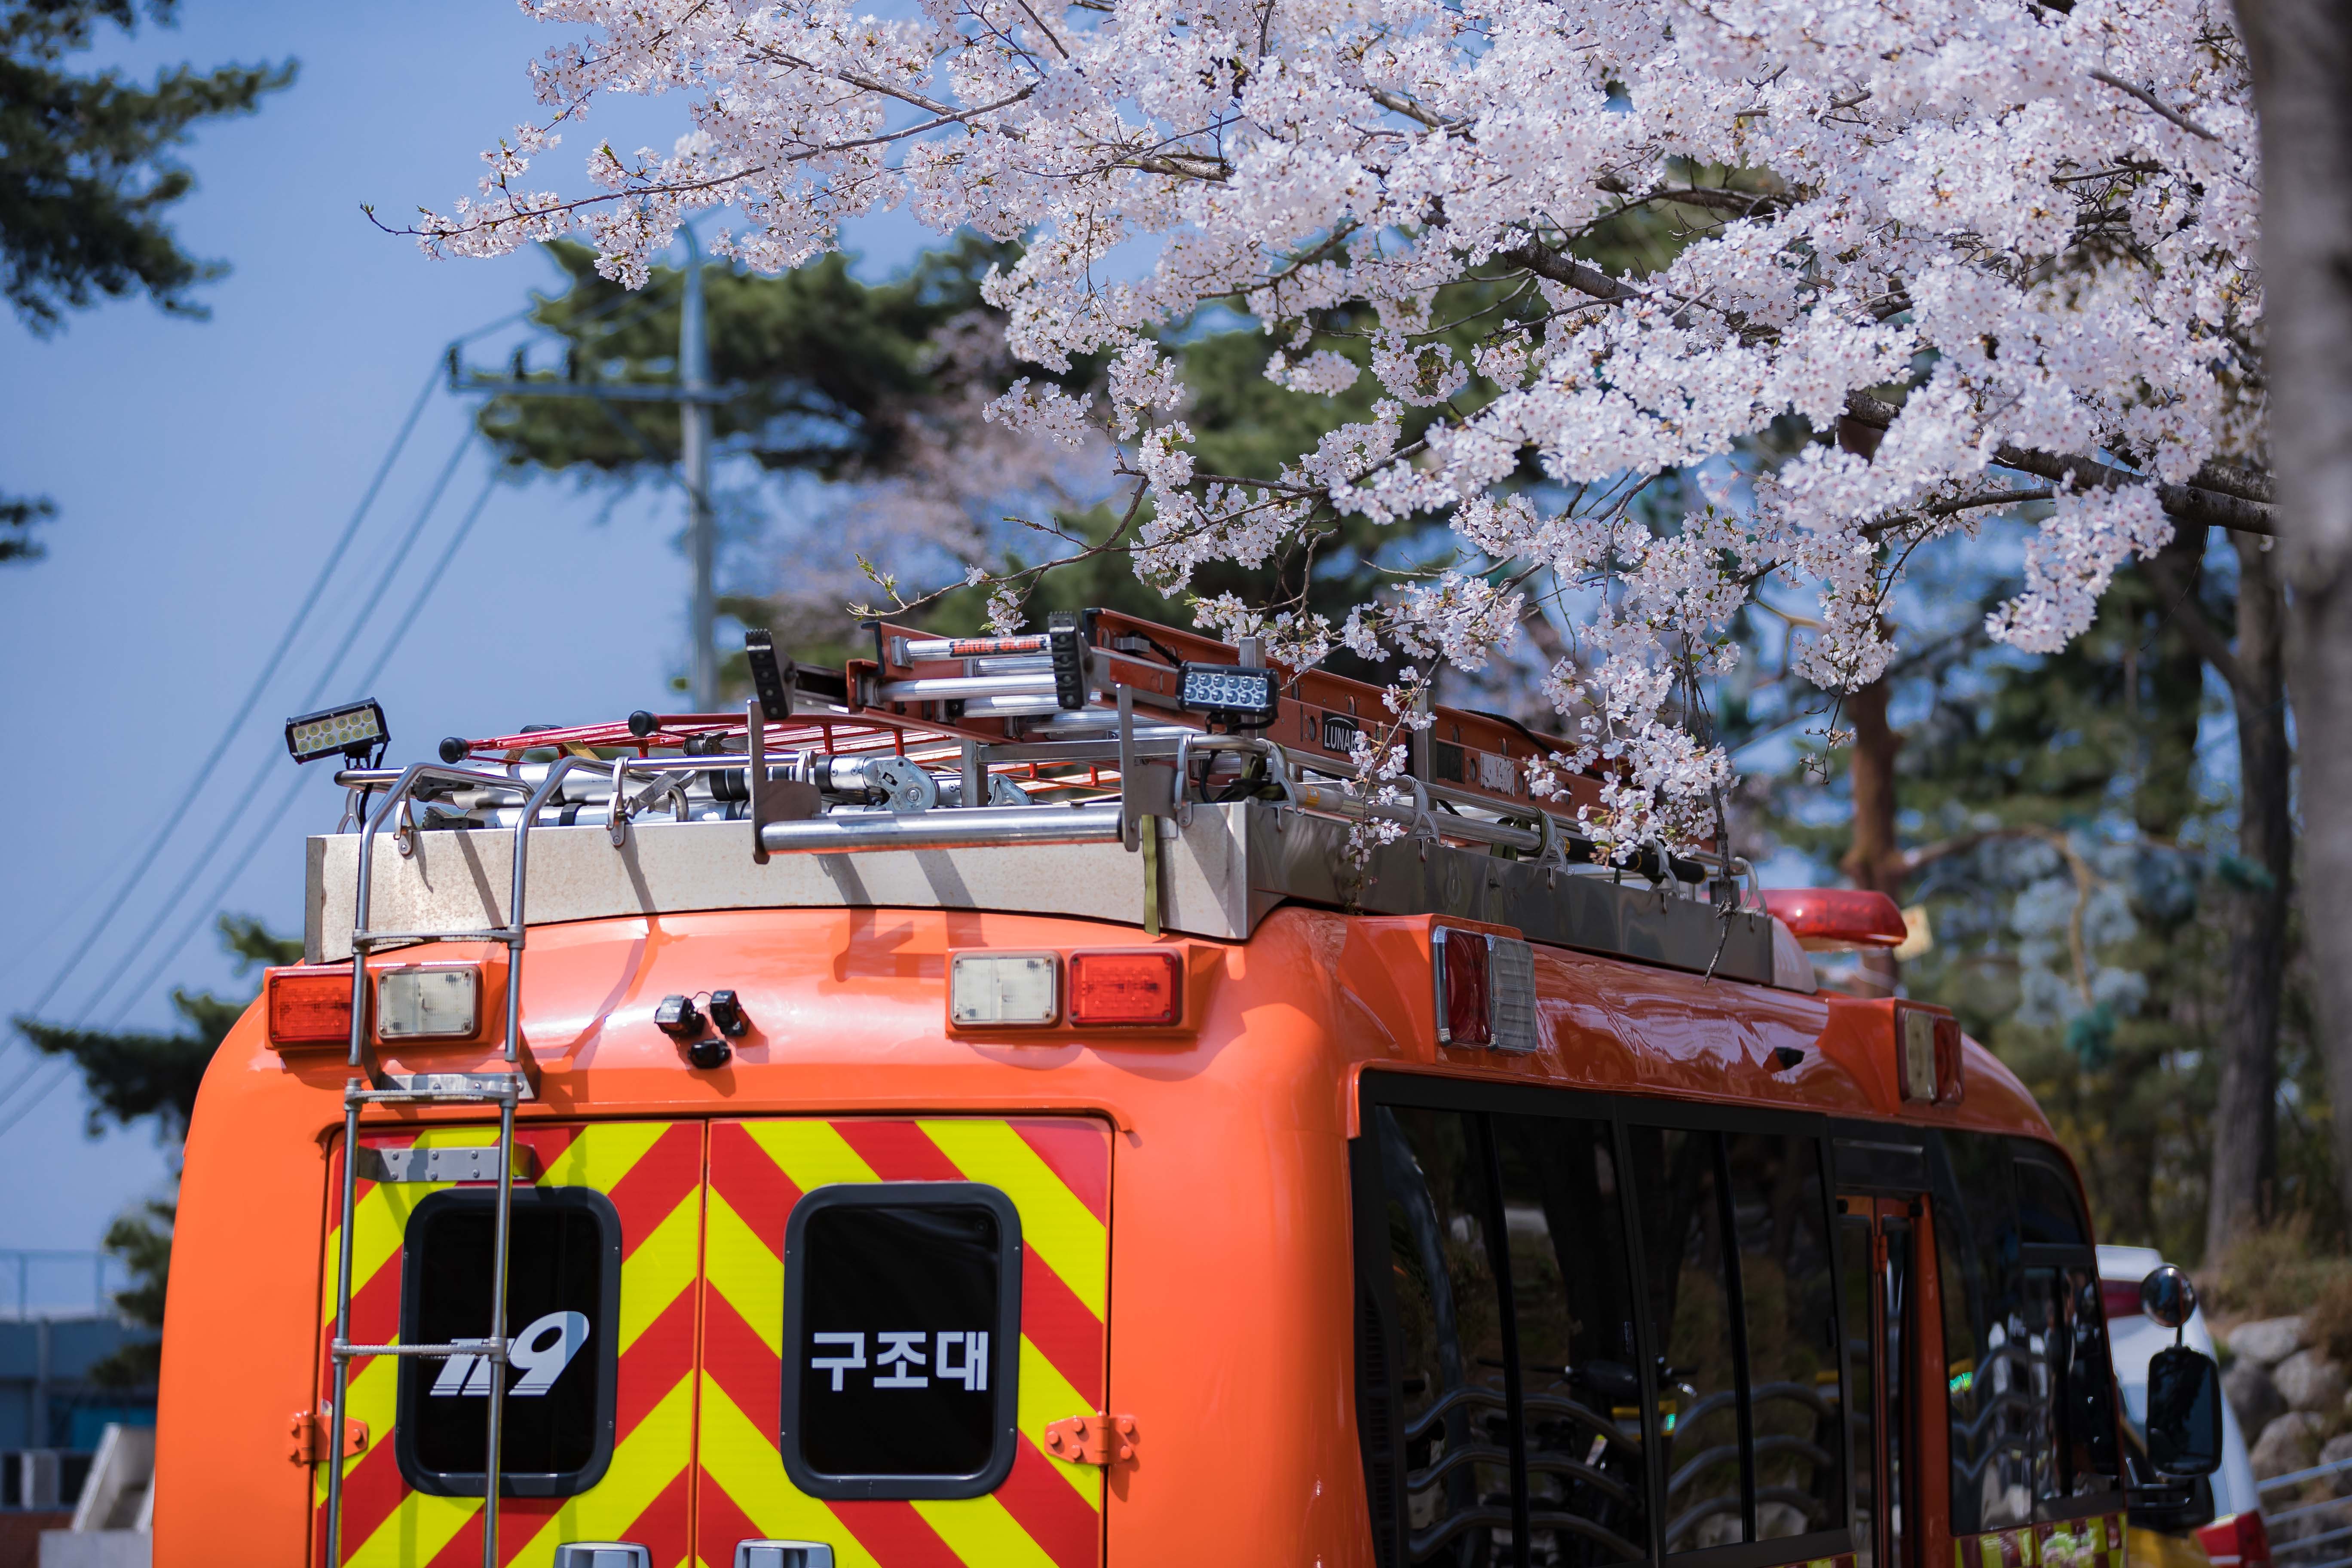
[[886, 744]]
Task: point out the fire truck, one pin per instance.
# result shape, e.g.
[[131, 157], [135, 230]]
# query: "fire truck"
[[1018, 1101]]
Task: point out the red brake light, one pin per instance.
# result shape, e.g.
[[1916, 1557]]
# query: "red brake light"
[[2236, 1542], [1463, 1016], [1837, 917], [2121, 1298], [310, 1005], [1145, 987]]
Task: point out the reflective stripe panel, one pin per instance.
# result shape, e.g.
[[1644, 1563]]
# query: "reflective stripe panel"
[[1057, 1172], [652, 1173]]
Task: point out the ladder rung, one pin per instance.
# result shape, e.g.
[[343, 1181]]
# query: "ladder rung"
[[494, 1349], [366, 939], [454, 1088]]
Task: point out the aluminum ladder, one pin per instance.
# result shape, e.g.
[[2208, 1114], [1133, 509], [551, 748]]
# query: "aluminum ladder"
[[504, 1088]]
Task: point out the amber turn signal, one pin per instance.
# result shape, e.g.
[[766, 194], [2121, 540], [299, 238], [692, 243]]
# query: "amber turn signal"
[[310, 1005], [1137, 987]]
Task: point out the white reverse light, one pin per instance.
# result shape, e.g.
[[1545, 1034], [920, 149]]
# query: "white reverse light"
[[985, 988], [428, 1002]]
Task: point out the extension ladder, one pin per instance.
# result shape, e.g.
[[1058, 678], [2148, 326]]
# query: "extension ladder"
[[504, 1089]]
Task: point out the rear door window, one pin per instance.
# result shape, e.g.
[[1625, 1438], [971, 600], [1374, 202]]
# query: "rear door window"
[[902, 1317], [562, 1309]]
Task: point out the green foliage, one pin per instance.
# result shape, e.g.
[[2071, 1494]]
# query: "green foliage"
[[134, 1075], [2060, 801], [141, 1239], [86, 175], [832, 370], [87, 170], [18, 515]]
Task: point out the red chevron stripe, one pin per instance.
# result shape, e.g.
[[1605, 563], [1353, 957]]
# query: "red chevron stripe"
[[651, 1367], [1057, 1518], [755, 1185], [897, 1150], [896, 1535], [650, 1190], [1077, 1152], [1055, 1321], [665, 1521], [741, 1364], [372, 1491], [720, 1522]]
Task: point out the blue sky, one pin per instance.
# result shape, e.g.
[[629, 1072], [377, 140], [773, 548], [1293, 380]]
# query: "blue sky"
[[203, 471]]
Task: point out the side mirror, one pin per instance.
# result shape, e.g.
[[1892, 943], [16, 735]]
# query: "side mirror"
[[2168, 1297], [2184, 1413]]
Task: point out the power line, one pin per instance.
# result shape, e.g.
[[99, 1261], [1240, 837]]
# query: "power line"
[[268, 825], [245, 710], [269, 763], [262, 834]]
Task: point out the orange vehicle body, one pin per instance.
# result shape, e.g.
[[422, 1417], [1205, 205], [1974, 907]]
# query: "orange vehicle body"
[[1231, 1275]]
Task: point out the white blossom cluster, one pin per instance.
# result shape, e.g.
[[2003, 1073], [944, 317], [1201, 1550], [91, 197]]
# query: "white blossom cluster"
[[2020, 225]]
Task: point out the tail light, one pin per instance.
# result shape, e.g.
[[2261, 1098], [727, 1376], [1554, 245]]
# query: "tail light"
[[310, 1005], [1486, 989], [1141, 987], [1927, 1054], [2121, 1298], [2236, 1542]]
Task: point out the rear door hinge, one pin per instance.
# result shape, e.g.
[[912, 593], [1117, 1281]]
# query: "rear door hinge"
[[307, 1434], [1095, 1440]]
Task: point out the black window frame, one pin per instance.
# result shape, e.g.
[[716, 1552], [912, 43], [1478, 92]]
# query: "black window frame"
[[1380, 1434], [604, 1344], [1004, 1354]]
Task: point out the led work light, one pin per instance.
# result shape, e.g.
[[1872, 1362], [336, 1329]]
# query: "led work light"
[[355, 729], [1230, 691]]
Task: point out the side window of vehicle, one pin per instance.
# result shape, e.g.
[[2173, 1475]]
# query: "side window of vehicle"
[[562, 1310], [1788, 1287], [1573, 1308], [1678, 1188], [1453, 1407], [1993, 1338], [2078, 1458]]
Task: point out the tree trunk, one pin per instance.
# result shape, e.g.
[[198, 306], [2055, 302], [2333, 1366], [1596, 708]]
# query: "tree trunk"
[[2302, 56], [1874, 859], [2245, 1118]]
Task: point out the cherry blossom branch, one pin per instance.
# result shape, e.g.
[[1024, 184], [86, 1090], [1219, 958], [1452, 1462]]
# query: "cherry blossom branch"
[[2155, 103]]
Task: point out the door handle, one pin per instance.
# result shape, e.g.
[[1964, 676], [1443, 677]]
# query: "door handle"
[[782, 1554]]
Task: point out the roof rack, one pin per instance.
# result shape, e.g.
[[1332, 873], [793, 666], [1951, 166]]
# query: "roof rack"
[[1080, 737]]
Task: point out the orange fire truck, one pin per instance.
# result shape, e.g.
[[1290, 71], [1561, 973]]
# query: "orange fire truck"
[[977, 1106]]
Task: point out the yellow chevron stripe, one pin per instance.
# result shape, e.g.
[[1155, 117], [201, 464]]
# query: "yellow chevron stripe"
[[603, 1153], [414, 1533], [740, 1267], [1060, 1228], [811, 1154], [1046, 1397], [741, 1458], [663, 1266], [979, 1530], [374, 1397], [643, 1462]]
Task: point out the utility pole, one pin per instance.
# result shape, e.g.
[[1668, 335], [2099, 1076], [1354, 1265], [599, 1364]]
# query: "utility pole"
[[694, 397], [694, 456]]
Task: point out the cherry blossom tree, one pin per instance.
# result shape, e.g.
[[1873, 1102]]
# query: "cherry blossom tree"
[[1977, 255]]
